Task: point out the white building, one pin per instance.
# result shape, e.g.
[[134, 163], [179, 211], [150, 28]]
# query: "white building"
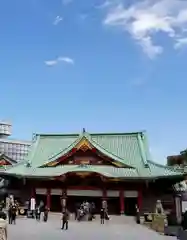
[[14, 149]]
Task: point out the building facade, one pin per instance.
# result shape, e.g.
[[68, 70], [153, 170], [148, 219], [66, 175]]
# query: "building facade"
[[64, 169], [16, 150]]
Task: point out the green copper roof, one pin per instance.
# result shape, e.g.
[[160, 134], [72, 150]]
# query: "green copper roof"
[[107, 171], [128, 148], [8, 159]]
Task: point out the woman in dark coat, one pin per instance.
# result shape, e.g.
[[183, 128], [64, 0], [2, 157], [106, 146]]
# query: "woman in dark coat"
[[14, 212], [45, 214]]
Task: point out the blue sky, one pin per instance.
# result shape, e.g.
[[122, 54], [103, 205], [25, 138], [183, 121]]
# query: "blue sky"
[[108, 66]]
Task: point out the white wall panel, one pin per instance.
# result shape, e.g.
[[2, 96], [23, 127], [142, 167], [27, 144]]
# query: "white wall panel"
[[131, 194], [56, 191], [41, 191], [88, 193], [112, 193]]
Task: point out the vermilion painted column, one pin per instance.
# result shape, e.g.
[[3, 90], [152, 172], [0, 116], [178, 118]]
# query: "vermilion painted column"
[[33, 192], [48, 198], [63, 199], [104, 200], [140, 199], [122, 205], [104, 193]]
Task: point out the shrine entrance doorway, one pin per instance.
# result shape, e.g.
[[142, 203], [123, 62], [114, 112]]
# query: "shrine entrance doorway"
[[77, 197]]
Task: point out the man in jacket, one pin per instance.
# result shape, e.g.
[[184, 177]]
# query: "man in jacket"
[[65, 218]]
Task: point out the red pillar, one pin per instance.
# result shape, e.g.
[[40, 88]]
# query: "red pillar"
[[122, 206], [104, 193], [140, 199], [104, 199], [33, 193], [48, 198], [63, 199]]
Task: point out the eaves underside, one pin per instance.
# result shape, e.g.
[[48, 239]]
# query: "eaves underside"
[[106, 171]]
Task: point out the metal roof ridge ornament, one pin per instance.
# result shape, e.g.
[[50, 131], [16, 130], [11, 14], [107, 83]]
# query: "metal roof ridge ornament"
[[28, 164], [34, 136]]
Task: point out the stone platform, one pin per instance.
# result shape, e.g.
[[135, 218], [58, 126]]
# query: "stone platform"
[[31, 229]]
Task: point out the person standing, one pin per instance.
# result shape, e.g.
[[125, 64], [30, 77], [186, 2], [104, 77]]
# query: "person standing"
[[65, 218], [32, 206], [184, 220], [10, 214], [102, 216], [45, 217], [3, 226], [38, 213], [14, 212], [137, 215]]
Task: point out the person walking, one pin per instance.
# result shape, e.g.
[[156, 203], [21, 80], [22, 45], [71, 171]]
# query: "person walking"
[[45, 217], [184, 220], [65, 219], [10, 214], [14, 212], [102, 216], [3, 226], [38, 213]]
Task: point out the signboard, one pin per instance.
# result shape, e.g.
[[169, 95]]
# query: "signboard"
[[184, 196], [184, 206]]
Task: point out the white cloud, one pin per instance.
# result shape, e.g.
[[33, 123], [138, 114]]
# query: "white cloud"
[[54, 62], [66, 60], [57, 20], [144, 19], [181, 42], [51, 62]]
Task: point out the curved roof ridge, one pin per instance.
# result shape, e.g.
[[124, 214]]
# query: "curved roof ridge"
[[142, 150], [92, 134], [95, 144], [32, 150], [164, 166], [10, 160], [64, 151]]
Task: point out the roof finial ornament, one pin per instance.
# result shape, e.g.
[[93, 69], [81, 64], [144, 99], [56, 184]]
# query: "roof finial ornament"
[[83, 130], [28, 164]]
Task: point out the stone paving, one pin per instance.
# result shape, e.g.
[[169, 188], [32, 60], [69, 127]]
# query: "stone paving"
[[31, 230]]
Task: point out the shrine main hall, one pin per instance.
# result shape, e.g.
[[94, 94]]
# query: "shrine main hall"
[[115, 167]]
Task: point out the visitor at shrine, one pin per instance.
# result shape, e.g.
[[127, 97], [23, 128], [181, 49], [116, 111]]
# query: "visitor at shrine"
[[184, 220], [65, 219], [77, 206], [3, 226], [38, 213], [10, 214], [137, 215], [14, 212], [32, 206], [46, 210], [102, 216]]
